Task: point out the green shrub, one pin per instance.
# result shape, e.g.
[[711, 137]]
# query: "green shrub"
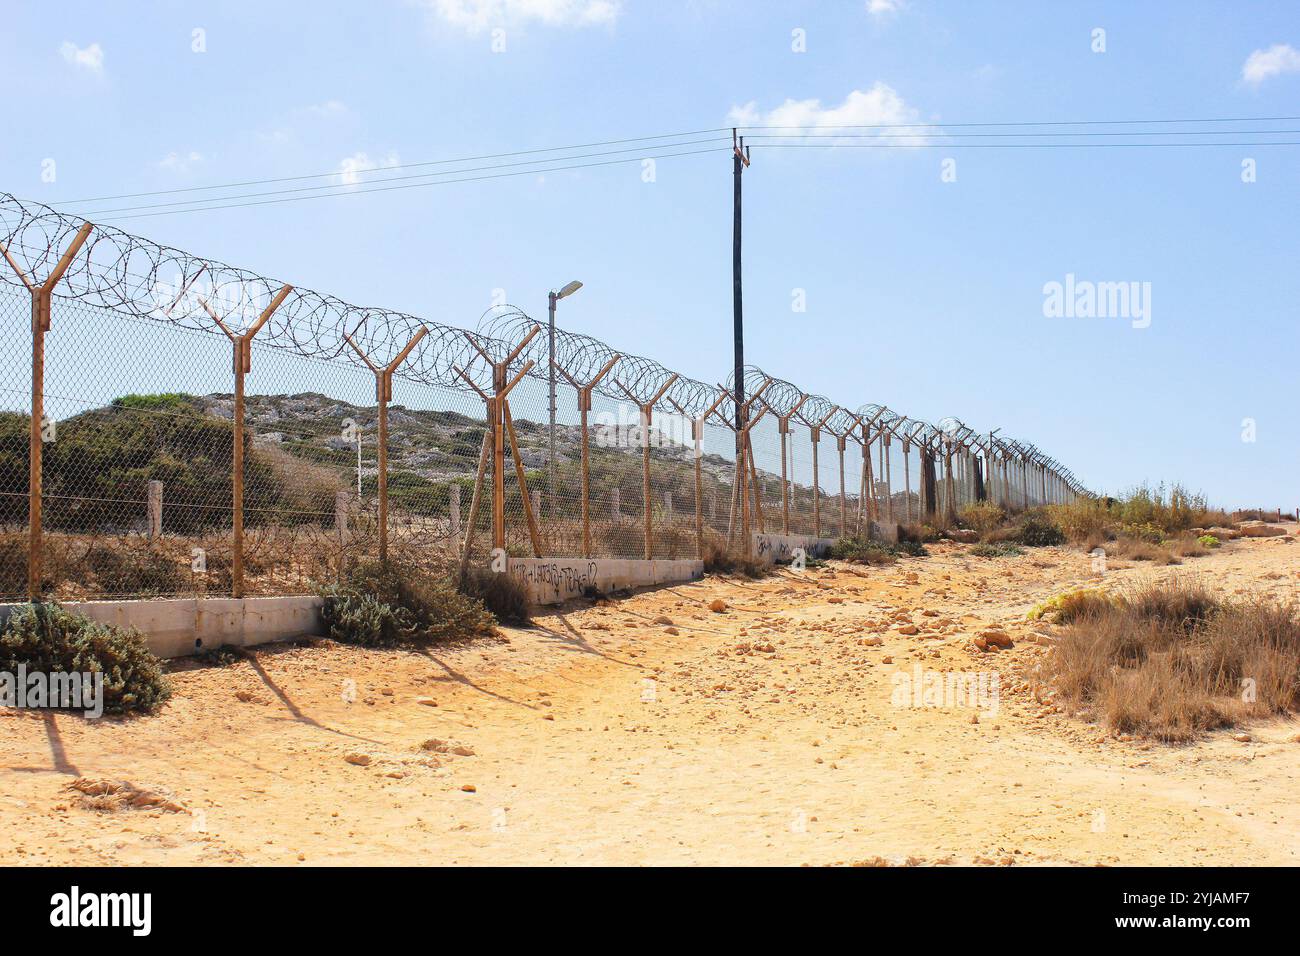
[[1143, 531], [353, 617], [1209, 540], [869, 551], [1036, 530], [386, 605], [46, 637], [996, 550], [1072, 606]]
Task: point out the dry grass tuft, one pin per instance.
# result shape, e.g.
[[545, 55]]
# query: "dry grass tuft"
[[720, 559], [1171, 661]]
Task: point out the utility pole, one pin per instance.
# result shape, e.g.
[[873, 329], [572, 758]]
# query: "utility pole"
[[740, 160]]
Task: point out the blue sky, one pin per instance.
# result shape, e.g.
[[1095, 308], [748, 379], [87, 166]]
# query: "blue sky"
[[921, 294]]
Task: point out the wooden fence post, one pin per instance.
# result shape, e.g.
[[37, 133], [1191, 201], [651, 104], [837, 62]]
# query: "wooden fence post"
[[154, 496]]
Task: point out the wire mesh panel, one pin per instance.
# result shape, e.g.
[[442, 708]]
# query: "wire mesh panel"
[[15, 432]]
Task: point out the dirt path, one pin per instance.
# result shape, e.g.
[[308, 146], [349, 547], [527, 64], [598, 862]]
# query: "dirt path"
[[770, 733]]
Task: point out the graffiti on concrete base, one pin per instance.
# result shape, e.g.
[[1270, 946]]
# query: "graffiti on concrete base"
[[781, 548], [568, 578]]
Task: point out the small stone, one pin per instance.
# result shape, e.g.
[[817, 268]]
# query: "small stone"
[[664, 619], [996, 638], [426, 701], [1242, 738], [468, 788], [360, 759], [717, 605], [908, 629]]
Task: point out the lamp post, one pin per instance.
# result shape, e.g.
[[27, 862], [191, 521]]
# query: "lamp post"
[[552, 298]]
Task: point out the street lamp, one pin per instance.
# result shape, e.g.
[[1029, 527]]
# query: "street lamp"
[[552, 298]]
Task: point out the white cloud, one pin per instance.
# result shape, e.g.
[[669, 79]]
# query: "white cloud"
[[180, 162], [880, 8], [878, 106], [352, 167], [89, 58], [1276, 60], [477, 15]]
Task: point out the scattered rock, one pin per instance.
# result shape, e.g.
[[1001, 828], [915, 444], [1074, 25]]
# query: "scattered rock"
[[996, 638], [438, 745], [717, 605], [114, 795], [1257, 529], [360, 759]]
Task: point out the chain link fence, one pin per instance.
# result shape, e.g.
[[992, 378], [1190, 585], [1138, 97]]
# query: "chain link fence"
[[201, 430]]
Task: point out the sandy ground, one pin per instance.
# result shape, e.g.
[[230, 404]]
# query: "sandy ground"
[[771, 733]]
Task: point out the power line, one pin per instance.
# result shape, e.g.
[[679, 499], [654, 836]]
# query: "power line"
[[700, 132], [444, 182], [641, 154], [432, 162], [1128, 122], [1016, 145], [1092, 133], [653, 150]]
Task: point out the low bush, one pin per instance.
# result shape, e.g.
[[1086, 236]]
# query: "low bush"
[[1138, 549], [981, 517], [859, 550], [1083, 519], [1004, 550], [1036, 530], [862, 551], [917, 534], [48, 638], [720, 559], [1209, 541], [500, 593], [386, 605], [1071, 606]]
